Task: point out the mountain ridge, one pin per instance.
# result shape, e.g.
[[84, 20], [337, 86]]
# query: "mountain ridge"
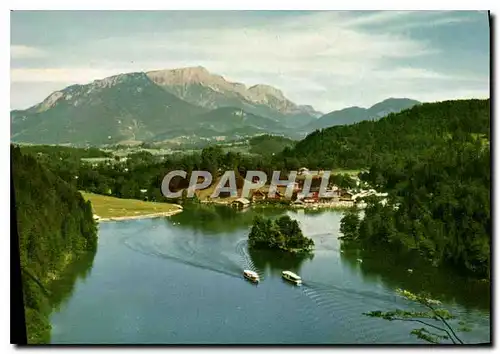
[[147, 106], [355, 114], [120, 107], [197, 85]]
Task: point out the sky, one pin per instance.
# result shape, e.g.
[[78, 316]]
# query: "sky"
[[328, 59]]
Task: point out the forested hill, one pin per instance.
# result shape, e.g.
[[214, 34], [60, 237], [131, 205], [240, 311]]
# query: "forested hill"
[[54, 225], [409, 132], [269, 144], [434, 161]]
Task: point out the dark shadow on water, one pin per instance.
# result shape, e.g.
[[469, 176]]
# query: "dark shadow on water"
[[62, 288], [410, 272], [212, 219]]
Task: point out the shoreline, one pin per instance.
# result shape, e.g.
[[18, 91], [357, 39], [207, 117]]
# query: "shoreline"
[[291, 205], [334, 205], [143, 216]]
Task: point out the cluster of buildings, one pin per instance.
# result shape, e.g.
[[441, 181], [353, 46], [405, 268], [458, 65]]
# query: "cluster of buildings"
[[339, 196], [334, 196]]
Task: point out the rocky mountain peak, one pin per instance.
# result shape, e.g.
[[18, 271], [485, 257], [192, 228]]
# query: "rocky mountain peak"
[[260, 91], [187, 82], [50, 101], [183, 76]]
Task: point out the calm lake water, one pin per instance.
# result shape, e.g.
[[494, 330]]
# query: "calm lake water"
[[178, 280]]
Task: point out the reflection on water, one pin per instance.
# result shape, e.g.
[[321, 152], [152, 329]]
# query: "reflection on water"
[[62, 288], [276, 261], [216, 219], [179, 280], [410, 272]]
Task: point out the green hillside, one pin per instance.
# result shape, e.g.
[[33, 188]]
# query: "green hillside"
[[55, 226], [269, 144], [396, 136], [121, 108], [353, 115], [227, 119], [434, 162]]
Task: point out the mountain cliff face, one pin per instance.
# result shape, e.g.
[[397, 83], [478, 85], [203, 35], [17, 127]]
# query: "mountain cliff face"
[[200, 87], [353, 115]]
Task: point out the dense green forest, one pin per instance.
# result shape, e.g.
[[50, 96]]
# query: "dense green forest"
[[55, 226], [281, 234], [439, 194], [269, 144], [57, 151], [412, 132]]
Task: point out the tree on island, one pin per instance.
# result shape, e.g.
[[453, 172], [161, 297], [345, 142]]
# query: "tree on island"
[[281, 234], [349, 225]]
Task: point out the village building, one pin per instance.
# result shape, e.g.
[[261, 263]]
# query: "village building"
[[300, 196], [334, 188], [367, 193], [330, 198], [277, 195], [296, 186], [255, 179], [303, 171], [227, 194], [241, 203], [345, 195], [259, 195]]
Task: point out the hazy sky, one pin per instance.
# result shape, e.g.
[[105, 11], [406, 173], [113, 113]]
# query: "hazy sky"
[[330, 60]]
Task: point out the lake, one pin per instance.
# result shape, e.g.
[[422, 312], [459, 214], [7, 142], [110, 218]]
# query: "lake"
[[179, 280]]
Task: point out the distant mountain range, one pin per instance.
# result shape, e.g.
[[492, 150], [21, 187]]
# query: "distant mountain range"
[[161, 105], [198, 86], [353, 115]]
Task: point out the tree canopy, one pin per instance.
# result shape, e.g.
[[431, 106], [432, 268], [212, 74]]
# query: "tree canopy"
[[393, 138], [54, 224], [439, 196], [283, 233]]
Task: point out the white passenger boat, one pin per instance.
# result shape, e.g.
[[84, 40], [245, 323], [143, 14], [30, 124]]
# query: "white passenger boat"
[[290, 276], [251, 275]]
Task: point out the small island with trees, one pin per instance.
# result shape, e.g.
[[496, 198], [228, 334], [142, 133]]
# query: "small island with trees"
[[282, 234]]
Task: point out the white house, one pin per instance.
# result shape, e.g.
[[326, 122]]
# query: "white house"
[[303, 171]]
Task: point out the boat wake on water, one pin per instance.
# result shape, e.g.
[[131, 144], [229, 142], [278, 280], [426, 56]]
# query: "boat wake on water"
[[341, 303], [184, 252], [316, 289], [191, 250], [195, 251], [232, 258], [245, 259]]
